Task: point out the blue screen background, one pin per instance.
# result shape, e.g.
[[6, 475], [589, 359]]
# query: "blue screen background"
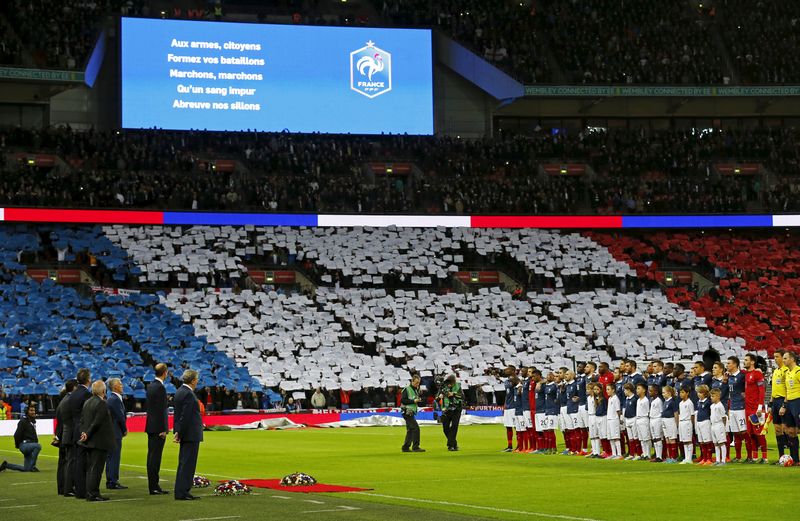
[[306, 84]]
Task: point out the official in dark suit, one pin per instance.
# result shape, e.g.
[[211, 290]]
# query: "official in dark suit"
[[97, 436], [63, 438], [188, 429], [119, 422], [77, 462], [156, 427]]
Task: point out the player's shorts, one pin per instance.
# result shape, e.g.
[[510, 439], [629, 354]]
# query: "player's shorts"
[[520, 423], [670, 428], [583, 417], [704, 431], [737, 421], [718, 434], [508, 418], [564, 421], [601, 424], [612, 428], [630, 428], [643, 429], [685, 431], [541, 421], [656, 429], [528, 421], [551, 421], [574, 420], [777, 419], [792, 416]]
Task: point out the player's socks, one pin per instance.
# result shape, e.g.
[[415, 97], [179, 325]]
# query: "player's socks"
[[749, 445], [688, 451], [532, 440], [646, 448], [509, 436], [737, 442], [723, 452], [606, 446], [762, 444], [520, 443], [616, 448], [781, 439], [793, 446], [659, 448], [585, 439]]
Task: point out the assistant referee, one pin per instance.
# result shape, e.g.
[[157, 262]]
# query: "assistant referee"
[[790, 411]]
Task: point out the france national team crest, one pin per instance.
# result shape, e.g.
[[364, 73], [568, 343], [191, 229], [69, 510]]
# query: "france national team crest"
[[371, 71]]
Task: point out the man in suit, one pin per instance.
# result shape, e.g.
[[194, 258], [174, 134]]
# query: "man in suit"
[[118, 422], [156, 427], [97, 436], [77, 463], [63, 437], [188, 429]]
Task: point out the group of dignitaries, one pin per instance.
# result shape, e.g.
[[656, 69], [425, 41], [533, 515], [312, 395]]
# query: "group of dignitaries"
[[90, 427]]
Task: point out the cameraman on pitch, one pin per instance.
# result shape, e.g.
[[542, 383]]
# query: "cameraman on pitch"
[[452, 400], [409, 404]]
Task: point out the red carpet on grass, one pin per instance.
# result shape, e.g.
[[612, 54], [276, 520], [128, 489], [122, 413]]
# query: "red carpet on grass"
[[275, 484]]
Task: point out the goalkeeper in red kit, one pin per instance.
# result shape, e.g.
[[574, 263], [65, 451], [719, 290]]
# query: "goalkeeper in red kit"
[[754, 409]]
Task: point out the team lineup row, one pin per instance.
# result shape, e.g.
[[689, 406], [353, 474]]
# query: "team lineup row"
[[661, 415]]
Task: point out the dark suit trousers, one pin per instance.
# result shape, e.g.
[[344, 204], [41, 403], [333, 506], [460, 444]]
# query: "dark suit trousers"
[[69, 468], [79, 469], [112, 463], [62, 468], [187, 463], [155, 447], [96, 460]]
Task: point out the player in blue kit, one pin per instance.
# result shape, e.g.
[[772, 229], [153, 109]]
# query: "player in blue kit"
[[551, 410], [736, 418], [509, 406], [540, 417], [572, 435]]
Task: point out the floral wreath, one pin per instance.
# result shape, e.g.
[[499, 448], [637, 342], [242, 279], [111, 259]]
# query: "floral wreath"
[[231, 488], [201, 482], [298, 479]]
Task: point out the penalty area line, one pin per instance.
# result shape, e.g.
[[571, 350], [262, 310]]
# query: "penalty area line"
[[211, 518], [479, 507]]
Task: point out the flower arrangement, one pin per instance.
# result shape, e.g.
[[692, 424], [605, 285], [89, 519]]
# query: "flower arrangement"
[[231, 488], [298, 479], [201, 482]]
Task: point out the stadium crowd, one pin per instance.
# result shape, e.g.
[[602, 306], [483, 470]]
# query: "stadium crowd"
[[642, 42], [636, 171]]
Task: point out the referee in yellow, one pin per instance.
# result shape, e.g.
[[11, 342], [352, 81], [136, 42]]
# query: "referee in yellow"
[[790, 410], [778, 396]]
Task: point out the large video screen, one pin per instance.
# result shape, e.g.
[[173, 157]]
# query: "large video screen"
[[183, 75]]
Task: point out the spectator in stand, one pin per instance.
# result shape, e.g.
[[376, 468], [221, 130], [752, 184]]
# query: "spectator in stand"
[[318, 400]]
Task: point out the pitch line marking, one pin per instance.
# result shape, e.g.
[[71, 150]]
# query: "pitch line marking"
[[19, 506], [281, 497], [119, 500], [340, 508], [28, 483], [480, 507], [211, 518], [314, 501]]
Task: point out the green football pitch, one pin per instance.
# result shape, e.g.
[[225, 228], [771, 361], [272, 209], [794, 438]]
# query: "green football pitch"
[[479, 482]]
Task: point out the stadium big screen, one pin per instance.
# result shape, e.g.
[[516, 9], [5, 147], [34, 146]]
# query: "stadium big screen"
[[183, 75]]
